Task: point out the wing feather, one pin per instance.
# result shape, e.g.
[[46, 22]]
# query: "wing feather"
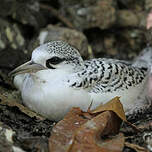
[[102, 74]]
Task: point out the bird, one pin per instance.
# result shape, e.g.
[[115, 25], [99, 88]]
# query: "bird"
[[57, 79]]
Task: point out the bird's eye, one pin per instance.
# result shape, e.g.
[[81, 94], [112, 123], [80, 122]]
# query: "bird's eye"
[[54, 60]]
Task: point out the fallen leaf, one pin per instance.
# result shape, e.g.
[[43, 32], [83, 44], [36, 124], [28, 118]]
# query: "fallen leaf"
[[77, 133], [113, 105], [91, 135], [62, 133]]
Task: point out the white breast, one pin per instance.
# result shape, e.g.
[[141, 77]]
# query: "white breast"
[[53, 98]]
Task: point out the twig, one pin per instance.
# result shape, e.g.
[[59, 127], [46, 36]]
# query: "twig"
[[58, 15], [137, 148]]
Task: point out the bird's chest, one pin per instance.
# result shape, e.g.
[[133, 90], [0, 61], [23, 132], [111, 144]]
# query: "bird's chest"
[[52, 98], [39, 87]]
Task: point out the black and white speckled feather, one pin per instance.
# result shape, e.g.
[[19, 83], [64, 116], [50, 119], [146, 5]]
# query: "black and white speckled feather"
[[72, 82], [108, 75]]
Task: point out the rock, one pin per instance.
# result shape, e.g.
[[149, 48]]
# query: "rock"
[[121, 44], [27, 131], [10, 36], [87, 14], [134, 39], [73, 37], [6, 140], [10, 58], [148, 5], [6, 7], [25, 12], [12, 45], [126, 18]]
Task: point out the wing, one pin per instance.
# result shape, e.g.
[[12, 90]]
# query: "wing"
[[102, 74]]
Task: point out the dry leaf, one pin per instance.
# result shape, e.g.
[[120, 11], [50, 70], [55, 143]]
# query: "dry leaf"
[[62, 133], [113, 105], [75, 132], [89, 136]]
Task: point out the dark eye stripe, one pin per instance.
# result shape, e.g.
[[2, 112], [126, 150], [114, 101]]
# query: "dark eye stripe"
[[53, 61]]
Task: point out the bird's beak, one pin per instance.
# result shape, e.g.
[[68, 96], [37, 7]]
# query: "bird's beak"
[[28, 67]]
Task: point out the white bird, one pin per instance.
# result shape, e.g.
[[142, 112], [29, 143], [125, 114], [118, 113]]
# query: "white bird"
[[57, 78]]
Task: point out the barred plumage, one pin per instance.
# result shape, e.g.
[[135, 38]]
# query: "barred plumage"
[[109, 75], [57, 79]]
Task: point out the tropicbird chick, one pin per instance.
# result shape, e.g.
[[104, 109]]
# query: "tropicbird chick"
[[56, 79]]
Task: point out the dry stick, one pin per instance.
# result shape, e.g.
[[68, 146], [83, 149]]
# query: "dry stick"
[[58, 15], [136, 147], [142, 127], [133, 126]]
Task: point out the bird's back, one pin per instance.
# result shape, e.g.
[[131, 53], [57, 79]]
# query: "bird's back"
[[107, 78], [109, 75]]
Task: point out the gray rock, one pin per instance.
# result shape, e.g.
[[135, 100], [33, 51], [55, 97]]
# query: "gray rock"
[[128, 18], [148, 5], [87, 13], [6, 7], [73, 37], [10, 36], [6, 140], [25, 12], [12, 45]]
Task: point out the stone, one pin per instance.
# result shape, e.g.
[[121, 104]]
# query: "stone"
[[148, 5], [25, 12], [73, 37], [10, 36], [127, 18], [6, 140], [88, 14], [12, 45]]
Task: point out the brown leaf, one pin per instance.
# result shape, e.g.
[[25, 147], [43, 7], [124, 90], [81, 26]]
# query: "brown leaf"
[[89, 136], [113, 105], [27, 111], [62, 133], [75, 132]]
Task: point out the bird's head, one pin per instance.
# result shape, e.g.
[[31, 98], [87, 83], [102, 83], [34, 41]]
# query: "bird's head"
[[50, 56]]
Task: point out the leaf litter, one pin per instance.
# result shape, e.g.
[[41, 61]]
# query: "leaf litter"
[[91, 131]]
